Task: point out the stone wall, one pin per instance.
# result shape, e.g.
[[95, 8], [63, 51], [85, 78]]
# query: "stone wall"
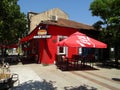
[[35, 18]]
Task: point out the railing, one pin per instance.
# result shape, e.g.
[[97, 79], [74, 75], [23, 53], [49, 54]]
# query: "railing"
[[76, 62]]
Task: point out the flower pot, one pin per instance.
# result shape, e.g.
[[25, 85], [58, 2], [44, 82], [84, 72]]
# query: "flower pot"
[[5, 81]]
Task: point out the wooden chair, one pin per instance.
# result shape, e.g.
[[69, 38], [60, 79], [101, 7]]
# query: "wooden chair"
[[61, 62], [90, 59], [73, 62], [83, 62]]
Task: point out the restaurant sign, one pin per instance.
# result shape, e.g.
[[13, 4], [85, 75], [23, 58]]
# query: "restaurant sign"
[[42, 36], [42, 33]]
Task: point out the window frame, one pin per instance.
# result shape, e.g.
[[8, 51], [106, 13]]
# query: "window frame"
[[64, 48]]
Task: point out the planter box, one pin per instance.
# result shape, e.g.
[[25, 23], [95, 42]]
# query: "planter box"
[[5, 81]]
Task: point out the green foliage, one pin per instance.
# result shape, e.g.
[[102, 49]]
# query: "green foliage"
[[12, 22], [105, 9], [98, 8], [109, 12], [98, 24]]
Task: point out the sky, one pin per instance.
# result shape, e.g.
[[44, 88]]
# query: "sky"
[[78, 10]]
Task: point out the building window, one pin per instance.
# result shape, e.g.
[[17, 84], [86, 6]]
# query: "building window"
[[62, 50], [80, 51]]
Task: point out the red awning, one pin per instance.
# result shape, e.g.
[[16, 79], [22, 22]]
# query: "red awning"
[[29, 37], [26, 48], [13, 46], [9, 46], [2, 46]]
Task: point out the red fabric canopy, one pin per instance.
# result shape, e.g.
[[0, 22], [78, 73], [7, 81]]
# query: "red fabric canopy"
[[29, 37], [9, 46], [81, 40], [2, 46], [13, 46], [26, 48]]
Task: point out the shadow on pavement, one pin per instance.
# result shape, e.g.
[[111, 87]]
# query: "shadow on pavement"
[[79, 68], [44, 85], [82, 87], [108, 65], [116, 79], [36, 85]]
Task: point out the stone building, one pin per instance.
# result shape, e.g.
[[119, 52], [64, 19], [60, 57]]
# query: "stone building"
[[35, 18]]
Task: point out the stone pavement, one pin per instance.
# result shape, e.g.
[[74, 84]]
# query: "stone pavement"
[[40, 77]]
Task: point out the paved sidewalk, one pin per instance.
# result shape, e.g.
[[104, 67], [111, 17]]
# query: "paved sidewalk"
[[28, 79], [39, 77]]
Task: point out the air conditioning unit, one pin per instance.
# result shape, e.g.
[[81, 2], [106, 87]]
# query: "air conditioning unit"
[[54, 18]]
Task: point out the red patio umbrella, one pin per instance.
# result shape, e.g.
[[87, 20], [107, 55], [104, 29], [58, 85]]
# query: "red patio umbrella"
[[78, 39]]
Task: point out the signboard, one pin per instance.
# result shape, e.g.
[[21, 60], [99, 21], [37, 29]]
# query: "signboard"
[[42, 36], [42, 32]]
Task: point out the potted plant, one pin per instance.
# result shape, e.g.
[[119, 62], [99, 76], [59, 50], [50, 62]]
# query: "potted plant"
[[5, 76]]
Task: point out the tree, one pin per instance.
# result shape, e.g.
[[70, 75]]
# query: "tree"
[[12, 22], [109, 12], [97, 25]]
